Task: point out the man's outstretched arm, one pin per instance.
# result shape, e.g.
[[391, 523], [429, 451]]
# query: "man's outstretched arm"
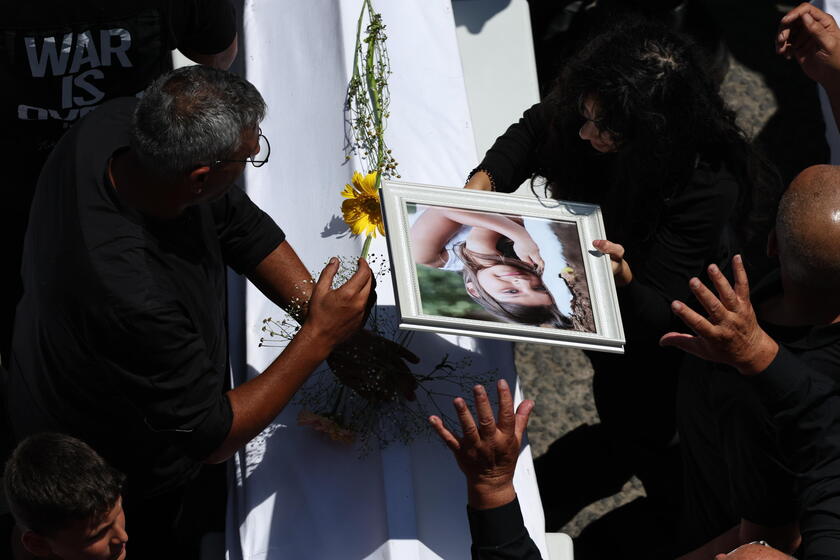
[[332, 316]]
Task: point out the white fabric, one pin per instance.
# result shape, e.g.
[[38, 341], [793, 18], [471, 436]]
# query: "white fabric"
[[297, 496], [498, 91], [453, 262]]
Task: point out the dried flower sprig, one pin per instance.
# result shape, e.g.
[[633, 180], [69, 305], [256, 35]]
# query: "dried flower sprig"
[[368, 96], [375, 408], [368, 99]]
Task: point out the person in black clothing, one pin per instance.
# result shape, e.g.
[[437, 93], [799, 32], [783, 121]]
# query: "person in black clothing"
[[737, 487], [121, 339], [787, 348], [60, 60], [487, 453], [635, 126]]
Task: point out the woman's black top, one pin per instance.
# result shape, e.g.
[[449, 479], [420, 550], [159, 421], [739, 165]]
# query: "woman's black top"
[[696, 226]]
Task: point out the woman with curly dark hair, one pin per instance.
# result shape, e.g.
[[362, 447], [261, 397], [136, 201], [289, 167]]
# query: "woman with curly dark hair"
[[635, 125]]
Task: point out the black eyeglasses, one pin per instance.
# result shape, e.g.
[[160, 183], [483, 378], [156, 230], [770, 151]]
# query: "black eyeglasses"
[[265, 148]]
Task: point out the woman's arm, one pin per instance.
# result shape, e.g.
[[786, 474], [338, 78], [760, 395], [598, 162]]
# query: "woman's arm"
[[436, 226], [513, 157]]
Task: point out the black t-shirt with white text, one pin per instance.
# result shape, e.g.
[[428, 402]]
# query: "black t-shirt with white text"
[[59, 60]]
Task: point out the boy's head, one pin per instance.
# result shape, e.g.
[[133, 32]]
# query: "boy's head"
[[66, 499]]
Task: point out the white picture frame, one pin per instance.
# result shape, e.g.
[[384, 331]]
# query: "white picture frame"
[[586, 298]]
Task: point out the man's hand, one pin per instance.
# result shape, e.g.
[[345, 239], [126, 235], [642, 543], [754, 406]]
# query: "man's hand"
[[731, 334], [336, 314], [620, 268], [487, 453], [374, 367], [812, 37]]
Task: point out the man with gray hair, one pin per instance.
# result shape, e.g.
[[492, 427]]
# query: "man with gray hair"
[[784, 340], [121, 337]]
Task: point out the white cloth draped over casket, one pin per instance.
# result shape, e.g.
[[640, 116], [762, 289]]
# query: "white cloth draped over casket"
[[296, 495]]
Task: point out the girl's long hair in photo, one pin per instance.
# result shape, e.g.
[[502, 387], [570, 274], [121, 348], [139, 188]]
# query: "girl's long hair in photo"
[[666, 118], [539, 315]]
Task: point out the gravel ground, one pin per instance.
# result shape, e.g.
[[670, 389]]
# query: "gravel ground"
[[778, 108]]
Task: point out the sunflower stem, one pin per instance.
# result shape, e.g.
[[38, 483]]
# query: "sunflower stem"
[[366, 247]]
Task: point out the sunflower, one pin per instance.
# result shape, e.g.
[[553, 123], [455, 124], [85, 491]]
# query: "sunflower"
[[361, 210]]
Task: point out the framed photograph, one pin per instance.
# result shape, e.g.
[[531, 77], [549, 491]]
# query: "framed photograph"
[[501, 266]]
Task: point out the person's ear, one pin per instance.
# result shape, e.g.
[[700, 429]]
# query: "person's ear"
[[198, 177], [772, 244], [36, 544], [471, 289]]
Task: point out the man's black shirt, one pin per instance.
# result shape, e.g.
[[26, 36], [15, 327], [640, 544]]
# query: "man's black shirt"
[[120, 337], [803, 396], [743, 459]]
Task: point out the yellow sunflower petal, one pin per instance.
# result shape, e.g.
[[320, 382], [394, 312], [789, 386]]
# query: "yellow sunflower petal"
[[368, 184], [361, 210], [348, 192], [357, 180]]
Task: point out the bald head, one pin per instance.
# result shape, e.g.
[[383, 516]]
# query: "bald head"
[[808, 228]]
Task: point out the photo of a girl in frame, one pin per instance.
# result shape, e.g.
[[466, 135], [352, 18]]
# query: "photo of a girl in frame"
[[503, 269]]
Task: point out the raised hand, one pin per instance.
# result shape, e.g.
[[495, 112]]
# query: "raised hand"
[[731, 334], [620, 268], [812, 38], [487, 452]]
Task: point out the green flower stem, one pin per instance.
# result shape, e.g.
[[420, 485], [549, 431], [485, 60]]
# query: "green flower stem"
[[366, 247], [370, 73], [377, 117], [379, 176]]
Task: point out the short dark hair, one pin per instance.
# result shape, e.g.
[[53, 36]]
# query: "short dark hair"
[[192, 116], [53, 478]]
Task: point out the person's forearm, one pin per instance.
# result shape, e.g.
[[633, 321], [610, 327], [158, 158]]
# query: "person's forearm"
[[257, 402], [436, 226], [487, 495], [284, 279], [500, 224], [483, 240]]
